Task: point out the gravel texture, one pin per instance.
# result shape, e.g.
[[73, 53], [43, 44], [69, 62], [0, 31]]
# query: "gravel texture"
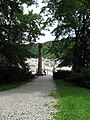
[[30, 101]]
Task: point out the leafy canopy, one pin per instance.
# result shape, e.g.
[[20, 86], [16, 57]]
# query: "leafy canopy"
[[16, 29], [73, 20]]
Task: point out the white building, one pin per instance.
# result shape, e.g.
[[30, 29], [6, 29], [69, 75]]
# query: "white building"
[[47, 64]]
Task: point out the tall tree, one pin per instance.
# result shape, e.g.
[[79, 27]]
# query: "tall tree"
[[17, 29], [73, 20]]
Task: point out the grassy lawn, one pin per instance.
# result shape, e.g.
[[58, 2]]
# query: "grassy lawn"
[[7, 86], [73, 102]]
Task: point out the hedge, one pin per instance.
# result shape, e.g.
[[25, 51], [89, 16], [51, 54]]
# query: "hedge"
[[80, 79]]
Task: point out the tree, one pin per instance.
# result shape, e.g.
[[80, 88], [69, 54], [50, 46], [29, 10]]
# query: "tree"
[[73, 20], [16, 29], [63, 50]]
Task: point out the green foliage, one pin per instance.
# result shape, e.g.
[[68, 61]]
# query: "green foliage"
[[66, 14], [16, 54], [73, 102], [72, 18], [49, 56], [16, 29], [62, 74], [85, 71], [14, 84], [46, 52], [8, 86], [63, 50], [33, 49], [79, 79]]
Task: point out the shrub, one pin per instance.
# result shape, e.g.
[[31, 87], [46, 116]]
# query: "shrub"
[[11, 74], [61, 74], [85, 71], [79, 79]]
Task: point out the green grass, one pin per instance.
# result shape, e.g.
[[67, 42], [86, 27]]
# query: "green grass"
[[73, 102], [7, 86]]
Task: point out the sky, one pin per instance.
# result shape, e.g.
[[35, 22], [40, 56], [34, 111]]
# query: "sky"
[[48, 36]]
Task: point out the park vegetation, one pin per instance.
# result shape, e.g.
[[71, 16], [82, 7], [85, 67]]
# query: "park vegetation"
[[72, 42], [19, 31], [73, 102], [71, 45], [73, 21], [46, 50], [16, 30]]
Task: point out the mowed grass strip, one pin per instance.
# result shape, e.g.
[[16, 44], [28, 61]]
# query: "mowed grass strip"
[[73, 102]]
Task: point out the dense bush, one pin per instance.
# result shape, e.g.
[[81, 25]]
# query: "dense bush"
[[80, 79], [61, 74], [11, 74], [86, 70]]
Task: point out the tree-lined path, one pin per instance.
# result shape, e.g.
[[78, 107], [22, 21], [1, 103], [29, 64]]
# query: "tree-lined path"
[[29, 102]]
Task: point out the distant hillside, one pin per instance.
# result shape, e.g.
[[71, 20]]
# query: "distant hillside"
[[47, 50], [33, 49]]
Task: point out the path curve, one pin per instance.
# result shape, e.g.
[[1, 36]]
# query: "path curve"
[[30, 101]]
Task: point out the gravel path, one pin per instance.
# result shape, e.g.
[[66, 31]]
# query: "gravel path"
[[29, 102]]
